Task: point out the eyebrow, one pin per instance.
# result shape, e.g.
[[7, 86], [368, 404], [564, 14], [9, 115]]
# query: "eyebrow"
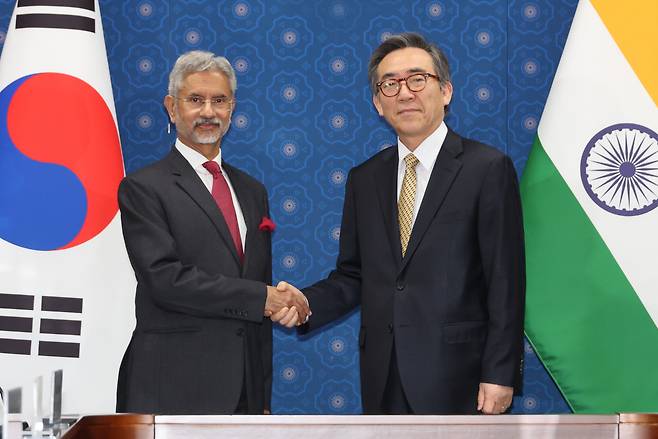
[[197, 95], [409, 71]]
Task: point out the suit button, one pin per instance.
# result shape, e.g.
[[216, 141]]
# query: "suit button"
[[390, 328], [399, 286], [239, 332]]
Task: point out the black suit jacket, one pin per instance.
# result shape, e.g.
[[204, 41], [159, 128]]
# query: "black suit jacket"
[[200, 329], [455, 302]]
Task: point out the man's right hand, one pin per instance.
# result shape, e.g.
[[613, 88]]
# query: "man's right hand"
[[287, 296]]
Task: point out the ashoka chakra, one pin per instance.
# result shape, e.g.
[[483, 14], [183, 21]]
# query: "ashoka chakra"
[[619, 169]]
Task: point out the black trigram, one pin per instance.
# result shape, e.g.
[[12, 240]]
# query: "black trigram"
[[56, 21], [20, 346]]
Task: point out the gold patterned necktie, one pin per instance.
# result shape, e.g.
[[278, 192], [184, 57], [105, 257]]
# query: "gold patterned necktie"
[[406, 201]]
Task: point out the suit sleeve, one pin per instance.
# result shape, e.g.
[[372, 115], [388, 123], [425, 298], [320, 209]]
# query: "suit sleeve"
[[175, 286], [341, 291], [500, 232]]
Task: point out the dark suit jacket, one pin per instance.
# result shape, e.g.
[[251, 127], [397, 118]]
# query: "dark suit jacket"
[[200, 323], [455, 302]]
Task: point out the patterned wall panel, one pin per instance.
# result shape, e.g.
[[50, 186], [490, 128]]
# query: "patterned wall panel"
[[304, 117]]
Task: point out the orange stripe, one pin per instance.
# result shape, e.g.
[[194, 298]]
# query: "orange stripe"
[[634, 26]]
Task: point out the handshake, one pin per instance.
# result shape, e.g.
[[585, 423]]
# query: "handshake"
[[286, 305]]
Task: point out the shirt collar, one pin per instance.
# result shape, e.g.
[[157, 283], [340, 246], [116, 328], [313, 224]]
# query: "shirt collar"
[[428, 150], [195, 158]]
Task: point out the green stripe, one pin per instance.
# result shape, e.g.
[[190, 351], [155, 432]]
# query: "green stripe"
[[583, 317]]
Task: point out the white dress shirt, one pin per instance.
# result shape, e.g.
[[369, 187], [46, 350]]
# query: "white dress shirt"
[[196, 160], [426, 153]]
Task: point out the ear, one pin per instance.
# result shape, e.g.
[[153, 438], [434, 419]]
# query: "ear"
[[169, 105], [446, 92], [378, 105]]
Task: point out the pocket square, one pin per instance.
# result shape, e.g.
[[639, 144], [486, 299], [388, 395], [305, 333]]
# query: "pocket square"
[[267, 225]]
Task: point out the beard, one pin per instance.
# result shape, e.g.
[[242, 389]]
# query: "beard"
[[209, 137]]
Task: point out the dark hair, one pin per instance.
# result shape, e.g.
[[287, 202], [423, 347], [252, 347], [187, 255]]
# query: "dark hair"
[[402, 41]]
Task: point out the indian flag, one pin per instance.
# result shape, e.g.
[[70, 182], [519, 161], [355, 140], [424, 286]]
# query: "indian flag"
[[590, 197]]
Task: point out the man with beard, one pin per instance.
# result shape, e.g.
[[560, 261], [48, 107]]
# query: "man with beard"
[[198, 235]]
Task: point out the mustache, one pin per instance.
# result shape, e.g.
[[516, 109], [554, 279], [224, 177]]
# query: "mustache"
[[208, 121]]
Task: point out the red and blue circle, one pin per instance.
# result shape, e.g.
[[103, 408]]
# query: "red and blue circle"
[[60, 162]]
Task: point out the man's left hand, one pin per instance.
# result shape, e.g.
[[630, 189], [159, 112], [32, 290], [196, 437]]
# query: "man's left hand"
[[494, 399], [287, 317]]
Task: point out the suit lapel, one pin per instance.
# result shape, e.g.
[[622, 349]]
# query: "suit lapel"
[[188, 180], [386, 184], [445, 170], [248, 207]]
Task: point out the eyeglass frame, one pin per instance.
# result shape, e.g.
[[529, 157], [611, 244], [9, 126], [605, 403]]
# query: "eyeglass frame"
[[400, 80], [188, 100]]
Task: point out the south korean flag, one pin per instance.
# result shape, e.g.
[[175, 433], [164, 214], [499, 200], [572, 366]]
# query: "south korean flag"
[[66, 286]]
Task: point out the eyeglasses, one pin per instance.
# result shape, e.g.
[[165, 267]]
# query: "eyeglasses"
[[391, 86], [197, 102]]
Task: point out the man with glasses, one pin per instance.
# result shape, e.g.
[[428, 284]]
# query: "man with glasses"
[[196, 230], [431, 248]]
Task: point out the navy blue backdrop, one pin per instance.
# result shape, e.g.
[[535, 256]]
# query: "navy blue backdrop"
[[304, 117]]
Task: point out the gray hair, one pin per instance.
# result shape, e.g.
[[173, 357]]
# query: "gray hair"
[[402, 41], [199, 61]]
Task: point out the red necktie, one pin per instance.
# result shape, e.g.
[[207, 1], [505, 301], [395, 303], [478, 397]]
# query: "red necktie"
[[222, 195]]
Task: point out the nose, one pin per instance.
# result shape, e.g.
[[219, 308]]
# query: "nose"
[[405, 93], [206, 108]]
